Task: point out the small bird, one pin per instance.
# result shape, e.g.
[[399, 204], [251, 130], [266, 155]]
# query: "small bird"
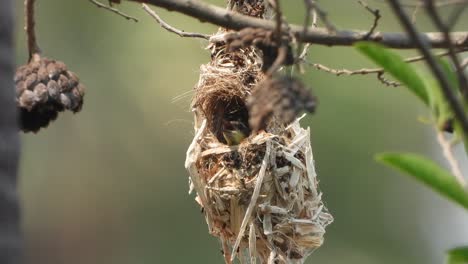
[[234, 132]]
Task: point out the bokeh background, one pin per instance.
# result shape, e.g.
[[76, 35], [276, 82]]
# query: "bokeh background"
[[108, 186]]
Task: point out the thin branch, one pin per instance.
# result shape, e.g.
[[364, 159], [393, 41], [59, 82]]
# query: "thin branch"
[[114, 10], [29, 27], [377, 17], [314, 18], [340, 72], [415, 12], [448, 154], [323, 16], [438, 4], [378, 71], [282, 53], [232, 20], [464, 63], [456, 13], [278, 19], [382, 79], [172, 29], [310, 13], [424, 47], [462, 81]]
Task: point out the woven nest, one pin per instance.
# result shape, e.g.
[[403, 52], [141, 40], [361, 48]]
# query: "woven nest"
[[260, 196]]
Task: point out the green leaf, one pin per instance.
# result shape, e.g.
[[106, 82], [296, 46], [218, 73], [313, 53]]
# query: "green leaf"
[[396, 66], [458, 256], [428, 172]]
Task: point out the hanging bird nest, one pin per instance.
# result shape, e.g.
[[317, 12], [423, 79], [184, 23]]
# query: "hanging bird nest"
[[259, 192]]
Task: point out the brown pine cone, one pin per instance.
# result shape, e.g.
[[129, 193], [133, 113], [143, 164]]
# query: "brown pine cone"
[[263, 40], [45, 87], [282, 97]]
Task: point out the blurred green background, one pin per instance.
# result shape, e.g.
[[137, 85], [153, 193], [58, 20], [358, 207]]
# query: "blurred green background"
[[108, 185]]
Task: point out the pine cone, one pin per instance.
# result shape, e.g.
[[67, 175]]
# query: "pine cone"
[[45, 87], [263, 40], [282, 97]]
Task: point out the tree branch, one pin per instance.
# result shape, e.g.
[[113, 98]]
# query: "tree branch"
[[375, 13], [378, 71], [450, 157], [463, 83], [170, 28], [33, 47], [114, 10], [233, 20], [424, 48]]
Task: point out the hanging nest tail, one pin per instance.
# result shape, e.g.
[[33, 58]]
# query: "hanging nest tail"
[[259, 191], [45, 87]]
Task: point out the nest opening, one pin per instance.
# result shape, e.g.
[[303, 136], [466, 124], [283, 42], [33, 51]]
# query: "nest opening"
[[234, 117]]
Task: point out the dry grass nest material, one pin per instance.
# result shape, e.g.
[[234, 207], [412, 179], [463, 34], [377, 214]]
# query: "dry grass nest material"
[[260, 197]]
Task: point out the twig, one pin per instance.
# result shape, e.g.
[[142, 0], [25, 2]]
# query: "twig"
[[30, 23], [282, 53], [310, 13], [314, 18], [377, 17], [340, 72], [438, 4], [462, 81], [464, 63], [415, 12], [278, 19], [456, 13], [282, 47], [172, 29], [114, 10], [448, 154], [323, 16], [424, 47], [378, 71], [233, 20], [382, 79]]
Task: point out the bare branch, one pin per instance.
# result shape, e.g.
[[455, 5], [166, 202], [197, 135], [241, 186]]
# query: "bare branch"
[[463, 83], [170, 28], [30, 23], [340, 72], [278, 18], [415, 12], [114, 10], [232, 20], [379, 71], [448, 154], [438, 4], [310, 13], [424, 47], [382, 79], [456, 13], [464, 63], [375, 13], [322, 15]]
